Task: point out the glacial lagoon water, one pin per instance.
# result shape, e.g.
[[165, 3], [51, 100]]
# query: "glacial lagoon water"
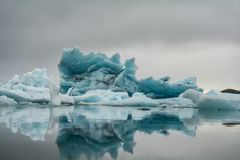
[[105, 132]]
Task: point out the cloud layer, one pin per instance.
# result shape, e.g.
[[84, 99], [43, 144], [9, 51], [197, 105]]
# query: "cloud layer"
[[166, 37]]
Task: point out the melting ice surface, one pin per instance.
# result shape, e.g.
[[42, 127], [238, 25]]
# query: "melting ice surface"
[[95, 79], [93, 132]]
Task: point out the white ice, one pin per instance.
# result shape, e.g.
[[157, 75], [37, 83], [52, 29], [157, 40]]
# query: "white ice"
[[36, 87], [5, 101], [213, 99]]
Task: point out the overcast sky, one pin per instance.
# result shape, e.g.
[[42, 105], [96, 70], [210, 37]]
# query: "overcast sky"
[[171, 37]]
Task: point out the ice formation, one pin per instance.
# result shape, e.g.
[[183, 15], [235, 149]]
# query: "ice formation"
[[110, 98], [95, 79], [37, 87], [93, 71], [213, 99], [30, 87]]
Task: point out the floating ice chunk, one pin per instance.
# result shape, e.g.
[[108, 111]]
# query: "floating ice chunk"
[[96, 96], [34, 87], [30, 87], [31, 94], [108, 97], [227, 96], [213, 99], [94, 71], [7, 101], [161, 88], [37, 78]]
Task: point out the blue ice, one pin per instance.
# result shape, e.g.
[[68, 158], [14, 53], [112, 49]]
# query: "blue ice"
[[84, 72]]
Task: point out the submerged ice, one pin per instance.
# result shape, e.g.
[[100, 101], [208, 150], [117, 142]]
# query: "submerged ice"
[[95, 79]]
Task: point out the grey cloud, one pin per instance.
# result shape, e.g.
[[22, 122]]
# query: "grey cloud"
[[120, 23], [32, 33]]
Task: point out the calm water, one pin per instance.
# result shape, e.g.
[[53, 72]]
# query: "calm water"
[[94, 132]]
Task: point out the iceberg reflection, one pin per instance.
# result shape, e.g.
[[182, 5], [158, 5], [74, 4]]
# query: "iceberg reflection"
[[92, 131], [79, 136]]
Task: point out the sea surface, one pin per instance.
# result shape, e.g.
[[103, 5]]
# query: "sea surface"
[[41, 132]]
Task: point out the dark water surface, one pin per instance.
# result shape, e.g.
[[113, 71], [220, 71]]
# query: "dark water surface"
[[99, 132]]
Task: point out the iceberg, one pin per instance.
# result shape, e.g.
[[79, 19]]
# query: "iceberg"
[[213, 99], [95, 79], [84, 72], [30, 87], [36, 87]]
